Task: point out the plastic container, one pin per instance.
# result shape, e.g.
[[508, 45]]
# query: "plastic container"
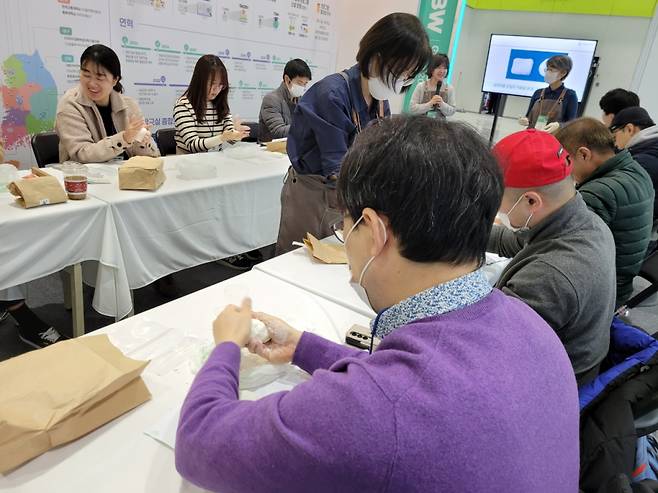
[[75, 180], [8, 173]]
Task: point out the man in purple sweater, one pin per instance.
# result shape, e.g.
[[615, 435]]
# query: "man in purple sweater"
[[469, 390]]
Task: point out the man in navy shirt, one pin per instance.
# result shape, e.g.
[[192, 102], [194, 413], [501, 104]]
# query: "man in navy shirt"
[[333, 111]]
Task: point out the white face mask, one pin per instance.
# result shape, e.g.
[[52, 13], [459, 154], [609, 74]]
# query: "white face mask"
[[382, 91], [358, 286], [551, 76], [504, 218], [297, 91]]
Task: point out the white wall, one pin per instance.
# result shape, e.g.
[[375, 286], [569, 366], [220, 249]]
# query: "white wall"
[[355, 18], [646, 74], [620, 42]]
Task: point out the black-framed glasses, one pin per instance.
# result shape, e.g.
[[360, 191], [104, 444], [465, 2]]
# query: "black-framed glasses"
[[337, 228]]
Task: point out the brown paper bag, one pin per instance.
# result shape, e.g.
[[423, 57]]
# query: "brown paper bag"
[[141, 173], [277, 146], [326, 252], [55, 395], [42, 190]]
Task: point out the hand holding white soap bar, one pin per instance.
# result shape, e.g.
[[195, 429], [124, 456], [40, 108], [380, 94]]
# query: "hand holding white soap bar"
[[259, 331], [141, 134]]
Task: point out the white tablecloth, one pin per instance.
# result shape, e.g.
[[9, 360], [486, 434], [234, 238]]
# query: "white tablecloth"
[[119, 457], [189, 222], [43, 240], [332, 281]]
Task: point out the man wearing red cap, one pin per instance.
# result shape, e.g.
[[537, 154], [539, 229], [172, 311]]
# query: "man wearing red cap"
[[563, 254]]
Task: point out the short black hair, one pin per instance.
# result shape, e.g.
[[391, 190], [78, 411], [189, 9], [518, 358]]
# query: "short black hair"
[[105, 57], [563, 63], [297, 68], [618, 99], [436, 61], [399, 43], [437, 182]]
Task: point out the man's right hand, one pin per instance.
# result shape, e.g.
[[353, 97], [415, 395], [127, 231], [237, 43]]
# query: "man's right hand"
[[523, 121], [283, 340]]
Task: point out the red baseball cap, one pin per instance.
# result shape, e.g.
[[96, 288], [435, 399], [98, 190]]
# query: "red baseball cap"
[[532, 158]]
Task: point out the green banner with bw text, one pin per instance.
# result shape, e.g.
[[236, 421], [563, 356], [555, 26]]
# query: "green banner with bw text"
[[438, 17]]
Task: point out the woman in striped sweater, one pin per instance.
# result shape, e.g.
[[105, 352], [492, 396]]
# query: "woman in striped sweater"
[[203, 123], [201, 115]]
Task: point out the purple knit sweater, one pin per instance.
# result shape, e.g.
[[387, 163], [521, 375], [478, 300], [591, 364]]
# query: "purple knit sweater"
[[479, 399]]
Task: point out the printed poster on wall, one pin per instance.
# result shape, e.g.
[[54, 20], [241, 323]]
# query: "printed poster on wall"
[[158, 43]]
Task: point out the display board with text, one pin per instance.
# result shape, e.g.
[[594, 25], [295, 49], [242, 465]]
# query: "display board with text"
[[158, 43]]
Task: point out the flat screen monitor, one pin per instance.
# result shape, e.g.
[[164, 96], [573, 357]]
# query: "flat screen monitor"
[[516, 64]]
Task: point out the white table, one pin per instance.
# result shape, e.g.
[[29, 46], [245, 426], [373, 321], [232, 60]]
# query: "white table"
[[136, 237], [119, 457], [40, 241], [300, 269], [186, 223]]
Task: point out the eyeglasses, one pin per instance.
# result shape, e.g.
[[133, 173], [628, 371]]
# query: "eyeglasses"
[[337, 228]]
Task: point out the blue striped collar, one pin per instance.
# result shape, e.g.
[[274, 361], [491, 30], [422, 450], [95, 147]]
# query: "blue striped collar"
[[442, 298]]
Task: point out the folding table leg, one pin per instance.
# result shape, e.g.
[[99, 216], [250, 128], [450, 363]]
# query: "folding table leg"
[[66, 284], [77, 302]]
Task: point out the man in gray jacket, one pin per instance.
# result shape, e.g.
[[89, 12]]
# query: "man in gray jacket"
[[563, 263], [278, 106]]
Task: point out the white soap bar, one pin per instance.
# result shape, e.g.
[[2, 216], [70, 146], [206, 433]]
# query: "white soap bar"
[[259, 331], [141, 134]]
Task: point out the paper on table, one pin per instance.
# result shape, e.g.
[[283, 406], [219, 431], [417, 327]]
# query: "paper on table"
[[45, 189], [164, 430], [325, 252], [141, 173], [55, 395]]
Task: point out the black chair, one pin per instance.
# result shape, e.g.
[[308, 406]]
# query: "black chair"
[[45, 146], [253, 131], [649, 271], [164, 137]]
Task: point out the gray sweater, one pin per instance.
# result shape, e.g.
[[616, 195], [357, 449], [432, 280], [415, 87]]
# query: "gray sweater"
[[275, 114], [564, 269]]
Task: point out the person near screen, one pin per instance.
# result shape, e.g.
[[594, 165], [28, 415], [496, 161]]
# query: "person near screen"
[[469, 389], [434, 97], [615, 100], [278, 106], [95, 122], [202, 116], [333, 111], [553, 105]]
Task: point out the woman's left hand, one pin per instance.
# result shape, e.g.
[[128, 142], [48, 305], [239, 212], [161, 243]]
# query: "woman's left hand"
[[234, 324]]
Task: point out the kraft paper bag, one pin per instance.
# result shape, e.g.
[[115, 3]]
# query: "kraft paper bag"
[[43, 189], [279, 145], [141, 173], [52, 396], [326, 252]]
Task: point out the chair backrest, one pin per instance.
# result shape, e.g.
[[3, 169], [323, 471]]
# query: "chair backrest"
[[253, 131], [46, 148], [648, 271], [649, 268], [165, 138]]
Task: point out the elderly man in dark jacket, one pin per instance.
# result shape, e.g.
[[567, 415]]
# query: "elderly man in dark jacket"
[[615, 187]]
